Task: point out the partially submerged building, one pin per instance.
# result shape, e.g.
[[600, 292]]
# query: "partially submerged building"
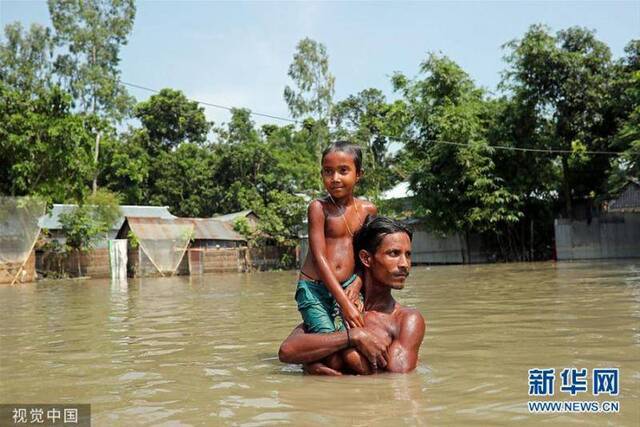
[[19, 232], [156, 246], [94, 262], [628, 200], [211, 233], [435, 248], [249, 215], [216, 247], [614, 233], [51, 221], [163, 247], [268, 255]]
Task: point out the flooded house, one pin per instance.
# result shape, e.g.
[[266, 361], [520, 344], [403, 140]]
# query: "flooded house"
[[19, 234], [95, 261], [216, 247], [249, 215], [613, 233], [182, 246]]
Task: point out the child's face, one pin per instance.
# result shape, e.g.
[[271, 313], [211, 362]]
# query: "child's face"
[[339, 174]]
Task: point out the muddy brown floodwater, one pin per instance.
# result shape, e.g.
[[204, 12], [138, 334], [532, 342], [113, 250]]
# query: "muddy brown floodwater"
[[203, 350]]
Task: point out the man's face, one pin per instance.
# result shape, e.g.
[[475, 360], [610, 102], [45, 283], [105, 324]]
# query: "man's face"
[[391, 262]]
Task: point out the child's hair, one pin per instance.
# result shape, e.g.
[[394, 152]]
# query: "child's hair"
[[373, 231], [345, 147]]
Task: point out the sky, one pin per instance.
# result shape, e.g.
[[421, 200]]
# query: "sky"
[[237, 53]]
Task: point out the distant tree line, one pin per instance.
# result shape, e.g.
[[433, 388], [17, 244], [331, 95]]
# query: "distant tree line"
[[63, 113]]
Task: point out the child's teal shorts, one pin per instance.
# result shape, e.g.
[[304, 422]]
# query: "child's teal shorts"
[[318, 307]]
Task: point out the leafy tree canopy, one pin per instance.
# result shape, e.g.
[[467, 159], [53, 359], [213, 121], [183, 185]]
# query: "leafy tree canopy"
[[170, 119], [313, 94], [456, 185]]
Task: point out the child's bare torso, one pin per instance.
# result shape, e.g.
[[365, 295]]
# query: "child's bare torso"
[[338, 234]]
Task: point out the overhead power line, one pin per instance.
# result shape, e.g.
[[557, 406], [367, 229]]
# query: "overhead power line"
[[460, 144], [534, 150], [209, 104]]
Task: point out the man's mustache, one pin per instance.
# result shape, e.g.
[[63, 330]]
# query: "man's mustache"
[[401, 273]]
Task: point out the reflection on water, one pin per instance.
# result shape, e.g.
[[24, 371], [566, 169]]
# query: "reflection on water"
[[202, 350]]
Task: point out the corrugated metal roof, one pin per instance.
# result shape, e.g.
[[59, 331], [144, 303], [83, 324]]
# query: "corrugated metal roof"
[[52, 220], [233, 216], [629, 198], [212, 229], [159, 228]]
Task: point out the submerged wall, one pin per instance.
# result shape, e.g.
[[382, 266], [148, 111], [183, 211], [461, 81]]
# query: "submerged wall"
[[139, 265], [93, 263], [430, 248], [433, 248], [605, 237], [218, 260], [9, 270], [195, 261]]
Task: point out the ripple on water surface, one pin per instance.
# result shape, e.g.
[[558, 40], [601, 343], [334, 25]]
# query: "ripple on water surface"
[[203, 350]]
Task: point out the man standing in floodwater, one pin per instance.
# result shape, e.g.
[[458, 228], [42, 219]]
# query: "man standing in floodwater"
[[392, 334]]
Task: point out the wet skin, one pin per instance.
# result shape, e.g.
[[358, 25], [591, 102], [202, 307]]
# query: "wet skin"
[[326, 222], [332, 224], [392, 335]]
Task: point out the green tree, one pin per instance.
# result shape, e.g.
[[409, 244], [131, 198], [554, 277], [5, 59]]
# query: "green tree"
[[295, 168], [566, 78], [240, 129], [532, 177], [46, 149], [93, 33], [453, 173], [629, 135], [183, 180], [626, 99], [312, 96], [369, 121], [242, 226], [245, 161], [26, 59], [170, 119], [264, 172], [314, 82], [128, 166], [281, 217], [89, 221], [154, 162]]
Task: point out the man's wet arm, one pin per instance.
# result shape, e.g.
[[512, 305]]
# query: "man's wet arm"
[[300, 347], [403, 352]]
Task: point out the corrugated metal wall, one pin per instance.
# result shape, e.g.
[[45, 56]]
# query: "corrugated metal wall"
[[605, 237], [430, 248]]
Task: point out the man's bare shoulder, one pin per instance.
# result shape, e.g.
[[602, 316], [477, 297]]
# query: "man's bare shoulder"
[[411, 319]]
